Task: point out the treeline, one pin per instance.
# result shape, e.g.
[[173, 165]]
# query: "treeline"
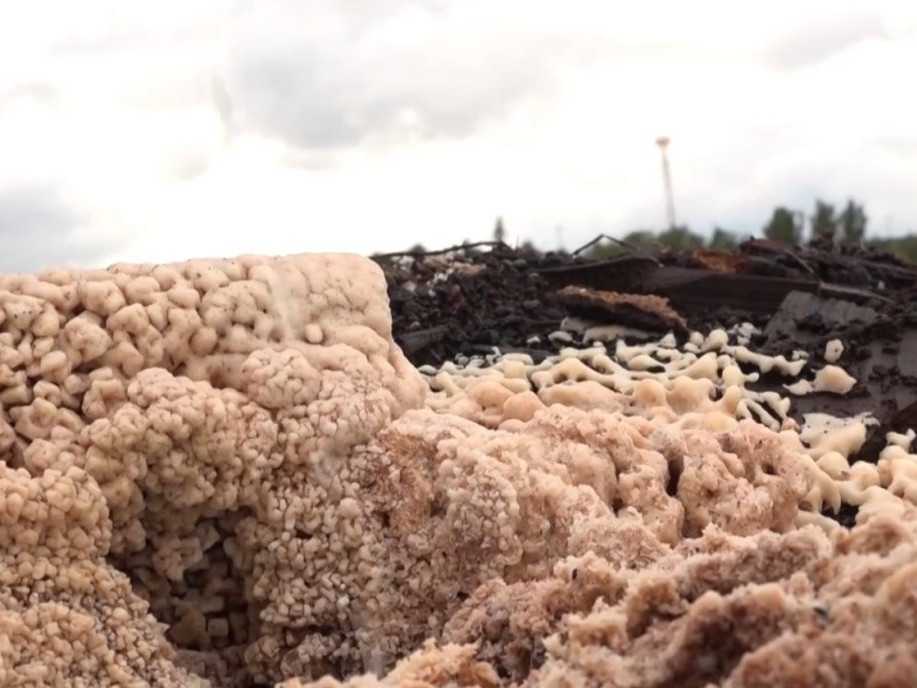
[[826, 225]]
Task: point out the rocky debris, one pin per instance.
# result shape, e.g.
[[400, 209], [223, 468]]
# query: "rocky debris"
[[806, 319], [467, 302], [844, 264], [505, 298]]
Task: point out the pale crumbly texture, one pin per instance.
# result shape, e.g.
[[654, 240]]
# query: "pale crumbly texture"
[[461, 506], [225, 473], [656, 379], [190, 426], [782, 610], [707, 574]]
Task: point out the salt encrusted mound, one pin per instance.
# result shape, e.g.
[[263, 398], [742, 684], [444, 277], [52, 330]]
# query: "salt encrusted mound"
[[227, 469], [192, 426]]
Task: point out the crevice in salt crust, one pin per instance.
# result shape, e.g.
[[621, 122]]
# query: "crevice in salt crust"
[[245, 442]]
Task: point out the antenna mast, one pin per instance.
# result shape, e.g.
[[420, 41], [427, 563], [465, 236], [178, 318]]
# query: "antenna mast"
[[663, 143]]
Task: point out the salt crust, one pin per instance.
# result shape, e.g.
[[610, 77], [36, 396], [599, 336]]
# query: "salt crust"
[[191, 422], [246, 442], [834, 350]]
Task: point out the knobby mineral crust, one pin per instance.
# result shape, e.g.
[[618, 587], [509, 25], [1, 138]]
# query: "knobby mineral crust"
[[227, 473]]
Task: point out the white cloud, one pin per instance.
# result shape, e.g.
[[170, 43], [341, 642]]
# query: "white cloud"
[[219, 127]]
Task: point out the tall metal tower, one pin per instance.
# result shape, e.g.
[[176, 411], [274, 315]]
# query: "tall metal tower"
[[663, 143]]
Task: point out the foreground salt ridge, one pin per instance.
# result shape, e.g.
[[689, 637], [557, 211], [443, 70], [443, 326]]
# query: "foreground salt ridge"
[[291, 508], [702, 386], [186, 422]]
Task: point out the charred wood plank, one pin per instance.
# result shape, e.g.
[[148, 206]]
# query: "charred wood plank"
[[412, 342]]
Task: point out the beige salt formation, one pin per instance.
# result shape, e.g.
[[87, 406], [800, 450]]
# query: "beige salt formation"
[[176, 441], [831, 378], [658, 377], [225, 473], [763, 611], [833, 351]]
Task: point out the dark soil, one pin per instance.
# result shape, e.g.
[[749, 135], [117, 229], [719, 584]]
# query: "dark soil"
[[470, 302]]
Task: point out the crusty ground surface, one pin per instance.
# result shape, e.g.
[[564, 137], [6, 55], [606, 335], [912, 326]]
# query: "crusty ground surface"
[[226, 473]]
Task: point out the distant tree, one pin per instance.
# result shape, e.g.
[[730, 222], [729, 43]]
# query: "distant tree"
[[680, 239], [640, 237], [783, 227], [499, 231], [905, 247], [723, 239], [528, 248], [417, 248], [852, 221], [824, 222], [605, 249]]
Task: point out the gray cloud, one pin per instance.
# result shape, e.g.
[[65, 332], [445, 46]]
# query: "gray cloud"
[[324, 89], [39, 230], [813, 44], [222, 102]]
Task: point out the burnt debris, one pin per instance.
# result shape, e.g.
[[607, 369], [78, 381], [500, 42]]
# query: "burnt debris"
[[473, 299]]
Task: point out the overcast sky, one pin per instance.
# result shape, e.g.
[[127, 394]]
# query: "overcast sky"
[[165, 130]]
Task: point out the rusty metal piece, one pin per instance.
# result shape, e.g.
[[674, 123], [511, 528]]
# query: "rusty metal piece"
[[639, 310], [691, 288], [720, 261]]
